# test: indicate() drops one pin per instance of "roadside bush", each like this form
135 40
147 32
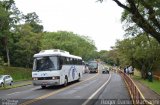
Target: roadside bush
17 73
1 61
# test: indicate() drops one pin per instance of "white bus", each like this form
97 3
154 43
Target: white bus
56 67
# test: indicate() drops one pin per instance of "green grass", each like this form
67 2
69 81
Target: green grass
17 73
155 85
15 86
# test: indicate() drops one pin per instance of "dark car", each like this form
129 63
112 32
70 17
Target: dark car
93 66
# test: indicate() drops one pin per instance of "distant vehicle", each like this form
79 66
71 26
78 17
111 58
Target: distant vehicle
5 80
93 66
56 67
106 70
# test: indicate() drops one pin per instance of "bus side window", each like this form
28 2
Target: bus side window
67 60
61 62
79 62
71 61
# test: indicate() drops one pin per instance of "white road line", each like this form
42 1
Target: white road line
91 97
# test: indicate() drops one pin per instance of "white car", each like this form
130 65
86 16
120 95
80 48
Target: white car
5 79
105 70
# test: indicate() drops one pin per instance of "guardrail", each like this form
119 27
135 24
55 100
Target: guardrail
136 95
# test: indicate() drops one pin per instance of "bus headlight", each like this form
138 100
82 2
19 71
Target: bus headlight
34 78
56 77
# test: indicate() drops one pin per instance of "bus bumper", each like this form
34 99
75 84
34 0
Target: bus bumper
46 82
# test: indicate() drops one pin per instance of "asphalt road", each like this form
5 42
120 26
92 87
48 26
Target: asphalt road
86 92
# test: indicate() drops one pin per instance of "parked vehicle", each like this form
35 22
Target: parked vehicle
5 80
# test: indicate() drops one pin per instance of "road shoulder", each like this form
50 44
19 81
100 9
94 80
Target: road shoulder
146 91
115 92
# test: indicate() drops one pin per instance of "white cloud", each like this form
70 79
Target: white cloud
100 21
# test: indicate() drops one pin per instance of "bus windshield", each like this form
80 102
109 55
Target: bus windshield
93 65
47 63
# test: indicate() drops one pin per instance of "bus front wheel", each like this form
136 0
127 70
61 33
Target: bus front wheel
79 77
66 81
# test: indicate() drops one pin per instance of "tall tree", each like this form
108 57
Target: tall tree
139 52
8 18
145 13
71 42
34 21
25 46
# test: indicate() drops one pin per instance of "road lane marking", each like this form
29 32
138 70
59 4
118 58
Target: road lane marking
22 91
91 97
55 92
13 93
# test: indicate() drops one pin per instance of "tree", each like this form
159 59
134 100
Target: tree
25 46
75 44
145 13
103 55
139 52
8 18
34 21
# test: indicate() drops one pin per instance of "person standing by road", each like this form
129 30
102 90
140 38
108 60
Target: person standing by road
127 70
130 69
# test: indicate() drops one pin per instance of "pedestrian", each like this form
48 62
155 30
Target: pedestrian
125 70
130 69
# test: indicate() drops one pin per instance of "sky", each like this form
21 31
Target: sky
100 21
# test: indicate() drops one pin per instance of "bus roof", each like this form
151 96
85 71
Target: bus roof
54 52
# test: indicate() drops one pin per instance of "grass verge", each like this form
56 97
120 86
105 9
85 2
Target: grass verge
155 85
16 85
17 73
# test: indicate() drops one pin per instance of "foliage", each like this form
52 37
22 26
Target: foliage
19 42
144 13
71 42
26 45
1 61
103 55
8 18
110 57
33 20
17 73
139 52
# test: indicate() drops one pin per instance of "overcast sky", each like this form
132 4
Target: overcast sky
99 21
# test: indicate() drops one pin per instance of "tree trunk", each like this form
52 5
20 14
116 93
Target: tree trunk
8 58
143 72
5 44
